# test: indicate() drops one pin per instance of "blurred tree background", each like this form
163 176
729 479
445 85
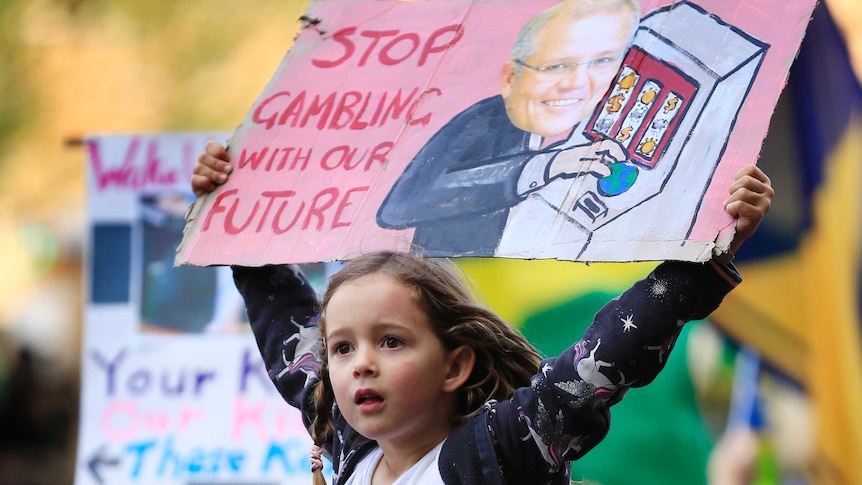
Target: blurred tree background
72 68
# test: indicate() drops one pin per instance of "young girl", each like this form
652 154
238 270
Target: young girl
403 379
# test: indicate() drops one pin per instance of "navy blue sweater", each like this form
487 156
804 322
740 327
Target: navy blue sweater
533 436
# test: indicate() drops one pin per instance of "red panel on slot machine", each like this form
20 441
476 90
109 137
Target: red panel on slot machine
644 107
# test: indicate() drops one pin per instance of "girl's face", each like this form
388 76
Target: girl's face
390 373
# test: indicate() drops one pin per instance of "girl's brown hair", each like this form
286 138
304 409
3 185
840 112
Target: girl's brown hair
505 360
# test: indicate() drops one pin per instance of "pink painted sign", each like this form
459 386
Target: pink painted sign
508 128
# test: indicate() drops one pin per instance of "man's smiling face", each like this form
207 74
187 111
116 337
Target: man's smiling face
550 103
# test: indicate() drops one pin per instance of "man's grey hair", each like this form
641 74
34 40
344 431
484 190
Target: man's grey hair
525 44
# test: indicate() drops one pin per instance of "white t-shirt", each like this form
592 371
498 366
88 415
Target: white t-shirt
424 472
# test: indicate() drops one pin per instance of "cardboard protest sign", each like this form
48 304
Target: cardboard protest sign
502 128
173 389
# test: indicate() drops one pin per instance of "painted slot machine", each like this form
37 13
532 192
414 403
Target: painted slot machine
672 108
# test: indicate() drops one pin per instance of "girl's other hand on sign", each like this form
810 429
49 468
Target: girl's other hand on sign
211 170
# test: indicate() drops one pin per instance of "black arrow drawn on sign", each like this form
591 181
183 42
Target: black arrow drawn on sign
98 461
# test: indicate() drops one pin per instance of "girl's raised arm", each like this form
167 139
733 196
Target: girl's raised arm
283 310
